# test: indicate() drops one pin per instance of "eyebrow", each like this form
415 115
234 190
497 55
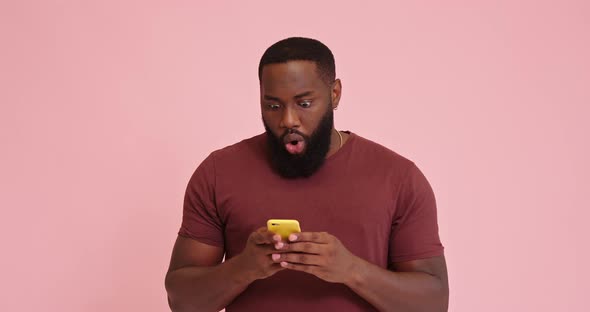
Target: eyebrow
298 96
304 94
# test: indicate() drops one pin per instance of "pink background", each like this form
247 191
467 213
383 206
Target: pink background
107 107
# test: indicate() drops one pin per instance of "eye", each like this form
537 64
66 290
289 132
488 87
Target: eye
305 103
273 106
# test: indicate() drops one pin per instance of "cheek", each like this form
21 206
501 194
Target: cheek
312 119
270 119
272 123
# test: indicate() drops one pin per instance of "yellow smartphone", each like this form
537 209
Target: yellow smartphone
283 227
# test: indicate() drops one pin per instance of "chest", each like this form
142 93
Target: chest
358 211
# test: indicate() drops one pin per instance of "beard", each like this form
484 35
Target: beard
303 165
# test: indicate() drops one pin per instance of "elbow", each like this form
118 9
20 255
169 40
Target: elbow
175 306
439 302
437 294
183 298
169 285
442 305
175 302
442 295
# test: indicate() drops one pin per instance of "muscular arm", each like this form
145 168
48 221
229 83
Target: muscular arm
198 281
419 285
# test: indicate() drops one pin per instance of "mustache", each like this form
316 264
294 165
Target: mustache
292 131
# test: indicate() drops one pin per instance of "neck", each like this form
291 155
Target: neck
334 143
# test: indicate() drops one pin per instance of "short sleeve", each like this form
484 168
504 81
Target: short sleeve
414 232
200 218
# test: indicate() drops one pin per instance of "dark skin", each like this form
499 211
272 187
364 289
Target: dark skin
294 95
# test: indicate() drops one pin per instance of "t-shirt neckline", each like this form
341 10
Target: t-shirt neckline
344 148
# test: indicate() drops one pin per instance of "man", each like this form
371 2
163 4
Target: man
369 237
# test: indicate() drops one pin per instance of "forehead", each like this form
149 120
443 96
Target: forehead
289 77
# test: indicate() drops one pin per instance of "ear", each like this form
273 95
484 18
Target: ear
336 92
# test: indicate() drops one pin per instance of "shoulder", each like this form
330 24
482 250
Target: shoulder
379 155
249 145
232 158
246 151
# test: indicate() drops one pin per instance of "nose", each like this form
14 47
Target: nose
290 119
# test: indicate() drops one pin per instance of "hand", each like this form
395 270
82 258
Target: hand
317 253
256 259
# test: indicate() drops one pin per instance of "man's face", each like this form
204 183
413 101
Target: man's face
297 113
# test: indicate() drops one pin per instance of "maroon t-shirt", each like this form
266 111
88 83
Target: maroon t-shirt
376 202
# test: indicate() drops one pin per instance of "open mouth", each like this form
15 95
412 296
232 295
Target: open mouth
294 143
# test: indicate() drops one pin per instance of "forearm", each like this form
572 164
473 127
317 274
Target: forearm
399 291
206 288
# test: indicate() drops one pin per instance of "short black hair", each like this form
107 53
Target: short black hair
301 49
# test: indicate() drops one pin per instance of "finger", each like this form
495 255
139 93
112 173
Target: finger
306 247
276 267
272 237
311 269
256 238
261 237
272 268
316 237
298 258
270 249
